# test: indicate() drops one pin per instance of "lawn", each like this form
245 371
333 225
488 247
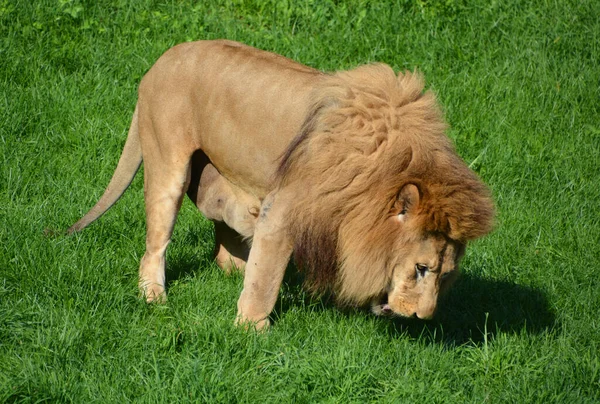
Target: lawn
519 83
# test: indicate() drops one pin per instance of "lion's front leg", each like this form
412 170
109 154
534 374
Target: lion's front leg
268 259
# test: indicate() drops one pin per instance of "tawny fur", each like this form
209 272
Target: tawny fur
353 172
220 201
370 133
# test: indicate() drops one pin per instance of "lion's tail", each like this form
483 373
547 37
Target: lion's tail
128 165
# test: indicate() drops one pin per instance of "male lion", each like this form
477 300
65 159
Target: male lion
351 171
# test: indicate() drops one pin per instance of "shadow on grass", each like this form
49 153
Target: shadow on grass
198 253
185 266
473 307
476 306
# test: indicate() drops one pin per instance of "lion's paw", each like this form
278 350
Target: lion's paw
249 325
153 293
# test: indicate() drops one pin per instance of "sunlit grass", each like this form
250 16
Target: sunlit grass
519 85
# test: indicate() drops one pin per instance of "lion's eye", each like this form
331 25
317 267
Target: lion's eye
400 210
421 270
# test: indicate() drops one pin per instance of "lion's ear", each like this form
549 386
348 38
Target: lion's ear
408 201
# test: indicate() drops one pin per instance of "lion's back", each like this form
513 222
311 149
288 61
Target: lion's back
240 105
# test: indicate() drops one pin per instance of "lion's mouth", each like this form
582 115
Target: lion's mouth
380 306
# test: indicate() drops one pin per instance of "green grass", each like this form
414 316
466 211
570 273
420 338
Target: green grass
520 85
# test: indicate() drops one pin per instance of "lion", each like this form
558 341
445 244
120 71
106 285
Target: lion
351 173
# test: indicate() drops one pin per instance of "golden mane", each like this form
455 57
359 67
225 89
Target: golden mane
368 134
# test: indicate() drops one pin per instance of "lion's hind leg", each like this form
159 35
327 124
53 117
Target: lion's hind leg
164 187
231 252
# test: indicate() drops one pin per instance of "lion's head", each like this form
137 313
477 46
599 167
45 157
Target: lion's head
385 206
